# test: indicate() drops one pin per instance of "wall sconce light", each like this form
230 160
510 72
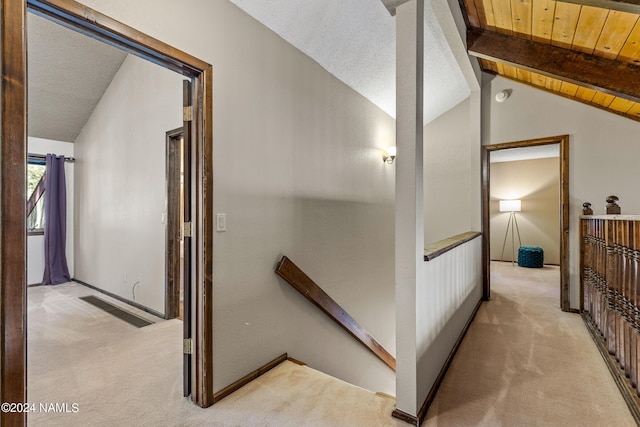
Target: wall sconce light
389 155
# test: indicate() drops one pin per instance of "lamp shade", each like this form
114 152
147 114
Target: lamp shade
510 205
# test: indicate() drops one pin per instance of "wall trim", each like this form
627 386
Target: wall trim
122 299
422 413
403 416
249 377
296 361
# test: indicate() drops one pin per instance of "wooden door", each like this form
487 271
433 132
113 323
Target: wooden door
174 275
187 233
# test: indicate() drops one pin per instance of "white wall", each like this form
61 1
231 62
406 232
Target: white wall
121 187
448 202
35 244
603 150
35 259
445 302
451 284
298 170
437 196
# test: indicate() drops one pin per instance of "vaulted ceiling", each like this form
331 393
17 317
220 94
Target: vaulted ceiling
68 73
355 41
586 50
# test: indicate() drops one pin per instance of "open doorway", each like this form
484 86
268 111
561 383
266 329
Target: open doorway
489 239
525 204
13 203
111 110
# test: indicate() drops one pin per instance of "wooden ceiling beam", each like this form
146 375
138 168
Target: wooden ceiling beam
631 6
602 74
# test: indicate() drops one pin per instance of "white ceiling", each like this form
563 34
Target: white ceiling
67 75
525 153
354 40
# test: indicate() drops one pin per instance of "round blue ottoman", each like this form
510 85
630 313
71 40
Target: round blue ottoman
530 256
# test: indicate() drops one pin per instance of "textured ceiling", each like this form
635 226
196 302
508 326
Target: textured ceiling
525 153
355 40
68 73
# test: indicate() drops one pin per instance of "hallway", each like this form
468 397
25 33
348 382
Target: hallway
525 362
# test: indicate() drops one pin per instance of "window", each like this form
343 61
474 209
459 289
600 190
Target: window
35 195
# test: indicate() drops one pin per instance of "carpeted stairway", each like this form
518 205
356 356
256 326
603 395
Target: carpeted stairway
120 375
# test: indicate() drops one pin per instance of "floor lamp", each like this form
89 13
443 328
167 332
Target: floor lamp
511 206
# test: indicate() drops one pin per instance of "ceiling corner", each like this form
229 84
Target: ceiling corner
391 5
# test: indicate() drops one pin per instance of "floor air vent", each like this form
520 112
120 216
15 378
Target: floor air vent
128 317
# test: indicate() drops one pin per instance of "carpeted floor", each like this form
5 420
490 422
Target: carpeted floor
119 375
524 362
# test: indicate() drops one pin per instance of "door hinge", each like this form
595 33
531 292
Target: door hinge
187 113
186 346
186 229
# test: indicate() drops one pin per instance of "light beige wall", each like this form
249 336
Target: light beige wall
298 170
537 184
603 150
447 174
120 186
450 285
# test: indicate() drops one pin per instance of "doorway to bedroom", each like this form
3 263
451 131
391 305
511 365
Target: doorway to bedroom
14 160
525 209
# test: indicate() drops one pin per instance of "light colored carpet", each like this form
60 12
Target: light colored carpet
524 362
120 375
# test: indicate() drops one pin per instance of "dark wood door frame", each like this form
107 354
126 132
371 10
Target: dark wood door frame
178 168
13 158
187 215
563 140
13 232
174 219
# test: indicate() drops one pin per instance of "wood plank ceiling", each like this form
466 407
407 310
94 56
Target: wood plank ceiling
579 51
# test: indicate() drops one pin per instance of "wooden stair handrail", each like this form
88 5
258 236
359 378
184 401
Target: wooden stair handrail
36 195
307 287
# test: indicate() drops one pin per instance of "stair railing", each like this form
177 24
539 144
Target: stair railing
293 275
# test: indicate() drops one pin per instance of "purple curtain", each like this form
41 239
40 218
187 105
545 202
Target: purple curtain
55 223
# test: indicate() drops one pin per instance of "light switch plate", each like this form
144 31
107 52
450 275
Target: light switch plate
221 222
